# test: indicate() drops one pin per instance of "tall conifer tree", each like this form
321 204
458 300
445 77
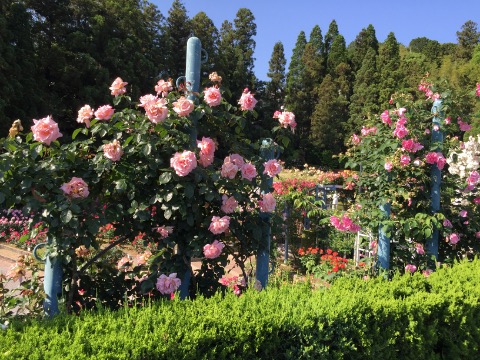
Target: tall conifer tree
364 41
388 64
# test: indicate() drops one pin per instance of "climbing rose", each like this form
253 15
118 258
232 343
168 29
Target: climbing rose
419 249
229 204
213 250
431 158
183 106
285 118
168 285
207 150
272 167
104 112
212 96
463 125
76 188
477 92
248 171
156 110
45 130
229 169
219 224
247 101
268 203
388 166
356 139
386 118
453 238
411 145
85 114
410 268
113 150
405 160
163 87
183 163
118 87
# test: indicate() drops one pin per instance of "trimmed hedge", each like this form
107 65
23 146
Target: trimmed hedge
409 317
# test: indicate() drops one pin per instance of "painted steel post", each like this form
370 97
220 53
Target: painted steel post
384 241
268 151
436 174
192 84
52 281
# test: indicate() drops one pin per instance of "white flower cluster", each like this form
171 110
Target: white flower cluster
466 160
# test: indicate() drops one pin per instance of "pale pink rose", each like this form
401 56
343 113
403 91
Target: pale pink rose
268 203
453 238
286 119
388 166
104 112
113 151
248 171
405 160
156 110
419 249
366 131
400 112
147 99
431 158
164 231
410 268
229 170
183 163
183 106
205 159
85 114
212 96
272 167
207 150
447 223
236 159
276 114
163 87
229 204
76 188
219 224
118 87
473 178
143 258
213 250
168 285
45 130
463 213
247 101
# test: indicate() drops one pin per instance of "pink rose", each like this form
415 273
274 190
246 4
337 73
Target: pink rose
286 119
447 223
236 159
477 234
463 213
183 106
268 203
229 169
205 159
118 87
400 112
410 268
441 161
156 110
219 224
388 166
272 167
207 150
75 188
168 285
212 96
405 160
45 130
419 249
147 99
85 114
248 171
477 91
163 87
463 125
213 250
431 158
411 145
104 112
386 118
183 163
400 131
164 231
113 151
229 204
476 201
247 101
473 178
453 238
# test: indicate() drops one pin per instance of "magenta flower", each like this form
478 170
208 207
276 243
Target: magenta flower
410 268
405 160
453 238
386 118
213 250
419 249
477 91
431 158
219 224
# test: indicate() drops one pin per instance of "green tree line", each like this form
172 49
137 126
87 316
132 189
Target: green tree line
57 55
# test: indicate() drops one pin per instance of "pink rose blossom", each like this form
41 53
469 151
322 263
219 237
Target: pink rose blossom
268 203
168 285
45 130
411 145
441 161
400 112
272 167
85 114
447 223
428 93
205 159
477 91
400 131
147 99
183 163
476 201
213 250
366 131
118 87
405 160
183 106
431 158
248 171
247 101
453 238
419 249
477 234
113 151
344 224
286 118
463 213
156 110
76 188
388 166
207 150
386 118
219 224
448 120
435 96
356 139
410 268
104 112
212 96
164 231
473 178
463 125
229 204
163 87
229 169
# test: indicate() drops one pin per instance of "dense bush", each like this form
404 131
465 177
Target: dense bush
409 317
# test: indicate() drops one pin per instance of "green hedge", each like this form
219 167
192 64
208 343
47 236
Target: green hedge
410 317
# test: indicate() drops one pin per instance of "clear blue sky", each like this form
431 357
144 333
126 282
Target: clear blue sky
281 20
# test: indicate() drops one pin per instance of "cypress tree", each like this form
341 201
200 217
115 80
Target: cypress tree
388 66
276 72
204 28
364 41
337 54
467 38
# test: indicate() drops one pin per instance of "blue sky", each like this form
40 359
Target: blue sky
281 20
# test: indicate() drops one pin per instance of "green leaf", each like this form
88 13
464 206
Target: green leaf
75 133
66 216
167 214
147 149
189 190
165 178
121 185
169 197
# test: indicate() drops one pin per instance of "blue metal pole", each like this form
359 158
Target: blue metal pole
384 241
267 152
436 175
192 79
